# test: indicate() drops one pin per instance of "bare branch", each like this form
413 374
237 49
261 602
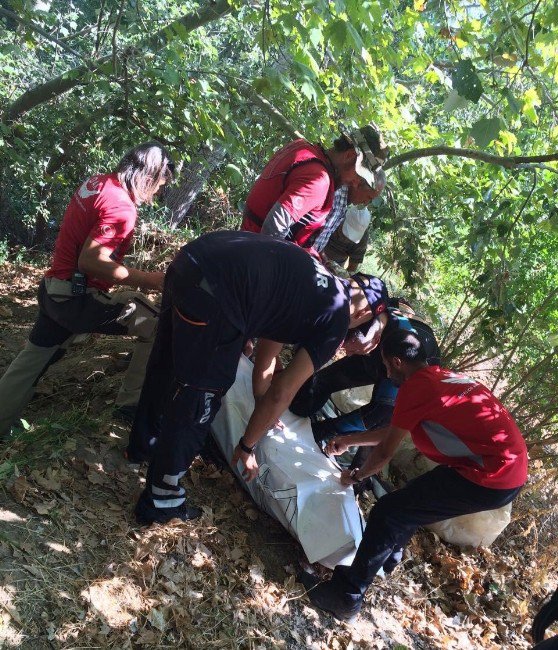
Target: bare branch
509 162
528 38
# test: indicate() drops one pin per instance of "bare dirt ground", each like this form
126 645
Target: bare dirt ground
77 572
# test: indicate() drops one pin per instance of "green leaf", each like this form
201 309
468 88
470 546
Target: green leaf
234 173
454 101
308 90
171 76
466 81
514 105
337 33
485 130
315 36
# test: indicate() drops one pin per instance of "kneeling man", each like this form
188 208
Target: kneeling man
456 422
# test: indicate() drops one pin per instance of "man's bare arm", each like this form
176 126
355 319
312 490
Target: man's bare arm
269 408
95 260
264 366
378 458
340 444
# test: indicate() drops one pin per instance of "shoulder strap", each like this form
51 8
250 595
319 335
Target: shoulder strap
299 164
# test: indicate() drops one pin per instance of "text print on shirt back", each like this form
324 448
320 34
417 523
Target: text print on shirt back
456 379
322 276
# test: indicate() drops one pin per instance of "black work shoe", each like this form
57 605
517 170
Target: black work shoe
323 596
125 413
146 513
136 457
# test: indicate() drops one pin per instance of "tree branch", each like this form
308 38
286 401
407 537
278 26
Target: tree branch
39 30
276 116
72 78
509 162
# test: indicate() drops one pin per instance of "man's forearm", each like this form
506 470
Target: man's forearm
266 413
365 438
115 273
374 463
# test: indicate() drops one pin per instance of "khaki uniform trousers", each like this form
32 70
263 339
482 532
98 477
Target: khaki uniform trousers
63 317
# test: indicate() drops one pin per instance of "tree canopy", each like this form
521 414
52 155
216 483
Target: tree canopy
466 94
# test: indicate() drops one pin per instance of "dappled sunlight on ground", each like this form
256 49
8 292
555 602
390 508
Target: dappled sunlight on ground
76 571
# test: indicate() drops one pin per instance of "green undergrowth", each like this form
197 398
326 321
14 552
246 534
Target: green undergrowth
29 446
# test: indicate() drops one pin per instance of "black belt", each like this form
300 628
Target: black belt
252 216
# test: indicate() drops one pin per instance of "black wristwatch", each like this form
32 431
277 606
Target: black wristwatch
244 446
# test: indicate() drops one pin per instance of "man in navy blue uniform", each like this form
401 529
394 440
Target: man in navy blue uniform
220 290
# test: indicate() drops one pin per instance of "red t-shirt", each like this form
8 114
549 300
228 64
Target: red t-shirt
456 421
305 190
103 210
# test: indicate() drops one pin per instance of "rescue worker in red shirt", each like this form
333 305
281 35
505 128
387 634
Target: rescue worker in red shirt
96 232
293 195
456 422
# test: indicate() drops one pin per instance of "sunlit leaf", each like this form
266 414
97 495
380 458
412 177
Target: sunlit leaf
485 130
466 81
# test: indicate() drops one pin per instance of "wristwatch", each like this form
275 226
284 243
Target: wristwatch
244 446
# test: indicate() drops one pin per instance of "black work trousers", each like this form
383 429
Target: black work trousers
349 372
192 365
435 496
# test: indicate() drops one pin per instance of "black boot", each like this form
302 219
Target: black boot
146 512
324 596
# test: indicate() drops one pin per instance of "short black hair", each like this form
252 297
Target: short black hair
405 345
342 144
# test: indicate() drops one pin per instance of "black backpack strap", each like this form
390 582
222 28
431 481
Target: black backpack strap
299 164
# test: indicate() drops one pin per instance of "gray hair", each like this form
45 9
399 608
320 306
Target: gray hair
143 168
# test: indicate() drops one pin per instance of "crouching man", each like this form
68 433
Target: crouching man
220 290
96 232
456 422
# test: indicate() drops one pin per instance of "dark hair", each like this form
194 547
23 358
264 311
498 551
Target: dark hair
405 345
342 144
398 301
142 169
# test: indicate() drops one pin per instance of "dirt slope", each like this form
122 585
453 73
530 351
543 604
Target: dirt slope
76 571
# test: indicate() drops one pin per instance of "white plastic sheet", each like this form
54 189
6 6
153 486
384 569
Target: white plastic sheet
297 484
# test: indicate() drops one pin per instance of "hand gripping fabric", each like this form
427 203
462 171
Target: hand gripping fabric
297 484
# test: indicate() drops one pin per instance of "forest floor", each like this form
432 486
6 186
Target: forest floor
77 572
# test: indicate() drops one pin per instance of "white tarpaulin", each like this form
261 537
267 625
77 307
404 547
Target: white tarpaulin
297 484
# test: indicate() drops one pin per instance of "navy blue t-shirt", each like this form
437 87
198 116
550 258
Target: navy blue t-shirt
273 289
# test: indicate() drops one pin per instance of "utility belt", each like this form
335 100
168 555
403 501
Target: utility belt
252 216
64 289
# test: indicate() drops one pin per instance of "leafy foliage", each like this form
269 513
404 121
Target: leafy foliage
474 242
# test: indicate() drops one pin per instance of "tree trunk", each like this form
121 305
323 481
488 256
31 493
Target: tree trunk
192 181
